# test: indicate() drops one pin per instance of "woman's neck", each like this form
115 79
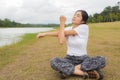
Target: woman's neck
75 25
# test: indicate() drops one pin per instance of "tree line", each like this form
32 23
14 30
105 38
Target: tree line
8 23
109 14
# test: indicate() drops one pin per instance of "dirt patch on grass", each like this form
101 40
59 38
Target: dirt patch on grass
34 64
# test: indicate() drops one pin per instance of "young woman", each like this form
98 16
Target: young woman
76 62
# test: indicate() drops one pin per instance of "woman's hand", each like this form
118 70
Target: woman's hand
62 19
40 35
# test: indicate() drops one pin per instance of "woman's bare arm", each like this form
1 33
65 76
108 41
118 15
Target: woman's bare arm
52 33
61 34
55 33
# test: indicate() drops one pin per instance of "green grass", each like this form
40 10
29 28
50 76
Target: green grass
8 53
29 59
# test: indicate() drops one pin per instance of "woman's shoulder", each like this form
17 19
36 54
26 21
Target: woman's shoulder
83 26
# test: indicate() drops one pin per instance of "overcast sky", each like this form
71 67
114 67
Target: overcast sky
48 11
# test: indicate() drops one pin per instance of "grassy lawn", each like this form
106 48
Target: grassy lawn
30 58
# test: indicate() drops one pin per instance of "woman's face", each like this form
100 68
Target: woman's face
77 18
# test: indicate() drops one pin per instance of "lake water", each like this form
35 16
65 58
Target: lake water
12 35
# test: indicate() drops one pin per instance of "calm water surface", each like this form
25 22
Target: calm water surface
12 35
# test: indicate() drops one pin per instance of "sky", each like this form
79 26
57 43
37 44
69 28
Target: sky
48 11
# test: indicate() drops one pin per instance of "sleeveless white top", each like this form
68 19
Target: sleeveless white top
77 45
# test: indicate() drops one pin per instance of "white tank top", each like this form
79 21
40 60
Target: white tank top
77 45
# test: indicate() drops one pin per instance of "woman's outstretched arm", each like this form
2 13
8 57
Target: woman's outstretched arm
61 33
53 33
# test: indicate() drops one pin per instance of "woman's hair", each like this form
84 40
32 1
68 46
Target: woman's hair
84 15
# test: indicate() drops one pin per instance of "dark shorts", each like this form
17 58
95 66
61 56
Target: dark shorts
67 64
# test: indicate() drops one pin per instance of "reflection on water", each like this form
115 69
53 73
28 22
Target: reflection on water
12 35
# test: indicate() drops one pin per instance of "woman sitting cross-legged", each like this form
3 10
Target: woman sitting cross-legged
77 61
